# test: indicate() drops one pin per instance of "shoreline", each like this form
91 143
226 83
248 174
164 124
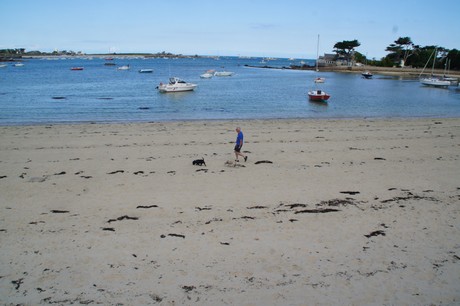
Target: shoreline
90 123
356 212
392 71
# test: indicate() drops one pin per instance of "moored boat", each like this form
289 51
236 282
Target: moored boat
318 95
208 74
176 85
124 67
320 80
146 71
223 73
435 82
76 68
367 75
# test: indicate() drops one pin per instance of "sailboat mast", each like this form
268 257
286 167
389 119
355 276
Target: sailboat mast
434 59
317 53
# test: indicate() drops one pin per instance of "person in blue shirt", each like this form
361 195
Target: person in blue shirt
239 145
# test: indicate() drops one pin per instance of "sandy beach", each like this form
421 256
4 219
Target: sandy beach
324 212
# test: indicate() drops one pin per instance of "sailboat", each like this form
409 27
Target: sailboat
433 81
318 79
317 94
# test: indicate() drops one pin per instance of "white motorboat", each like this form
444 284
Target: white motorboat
176 85
320 80
146 71
125 67
223 73
208 74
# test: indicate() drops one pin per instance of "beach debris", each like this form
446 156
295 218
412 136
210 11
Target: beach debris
337 202
317 211
375 233
410 196
245 218
56 211
117 171
174 235
225 243
125 217
379 158
350 192
3 176
18 283
263 162
149 206
156 298
188 288
257 207
111 229
214 220
295 205
203 208
60 173
138 172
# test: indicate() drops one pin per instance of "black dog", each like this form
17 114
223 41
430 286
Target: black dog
199 162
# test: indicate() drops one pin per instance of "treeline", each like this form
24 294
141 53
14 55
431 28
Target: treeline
18 53
402 53
11 54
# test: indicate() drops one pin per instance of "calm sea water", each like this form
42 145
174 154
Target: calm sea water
102 93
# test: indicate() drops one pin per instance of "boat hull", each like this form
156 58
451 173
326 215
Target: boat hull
435 82
318 96
320 80
223 73
175 88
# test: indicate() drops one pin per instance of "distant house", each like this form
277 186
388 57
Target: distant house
327 59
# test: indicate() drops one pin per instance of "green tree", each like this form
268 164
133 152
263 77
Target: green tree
454 57
401 49
346 48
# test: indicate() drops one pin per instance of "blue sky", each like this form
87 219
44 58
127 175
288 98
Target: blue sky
287 28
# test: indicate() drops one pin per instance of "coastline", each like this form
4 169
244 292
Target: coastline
349 211
391 71
395 71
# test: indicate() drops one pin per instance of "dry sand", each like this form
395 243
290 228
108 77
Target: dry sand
349 212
